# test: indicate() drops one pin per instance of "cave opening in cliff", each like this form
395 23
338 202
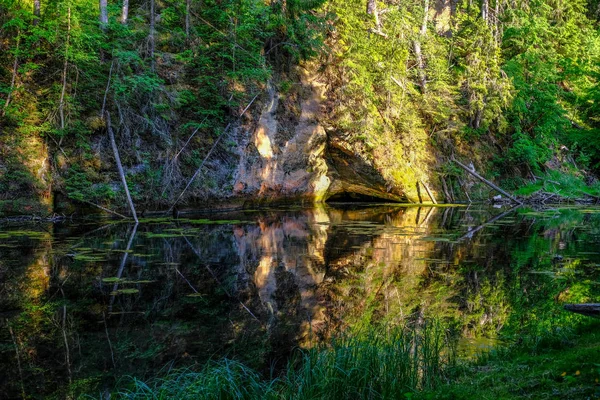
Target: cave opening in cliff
351 197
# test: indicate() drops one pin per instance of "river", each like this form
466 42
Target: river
85 303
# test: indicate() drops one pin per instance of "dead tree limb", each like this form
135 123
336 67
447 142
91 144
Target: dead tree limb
419 193
198 170
429 193
119 165
463 187
490 184
104 209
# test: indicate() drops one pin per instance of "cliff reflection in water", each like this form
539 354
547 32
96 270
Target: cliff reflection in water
82 305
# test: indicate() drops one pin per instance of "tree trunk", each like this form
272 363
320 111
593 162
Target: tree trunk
103 14
151 34
113 143
125 12
61 104
14 75
36 12
484 9
417 49
188 7
497 29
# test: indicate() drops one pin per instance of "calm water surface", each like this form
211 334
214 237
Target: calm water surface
85 303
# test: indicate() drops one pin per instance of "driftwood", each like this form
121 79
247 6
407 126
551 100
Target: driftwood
589 309
490 184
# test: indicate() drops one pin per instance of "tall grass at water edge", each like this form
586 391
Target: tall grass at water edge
383 363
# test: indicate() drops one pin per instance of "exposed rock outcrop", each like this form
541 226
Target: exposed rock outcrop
309 164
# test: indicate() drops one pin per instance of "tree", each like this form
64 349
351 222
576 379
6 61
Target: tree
125 12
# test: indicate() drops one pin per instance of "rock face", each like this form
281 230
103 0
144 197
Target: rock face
308 163
273 166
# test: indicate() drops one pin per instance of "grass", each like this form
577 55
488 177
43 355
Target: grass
562 369
566 185
399 364
380 364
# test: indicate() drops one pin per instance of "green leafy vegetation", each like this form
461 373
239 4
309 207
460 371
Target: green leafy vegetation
510 86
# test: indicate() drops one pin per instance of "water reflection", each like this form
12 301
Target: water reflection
81 305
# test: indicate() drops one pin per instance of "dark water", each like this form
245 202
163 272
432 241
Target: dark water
84 304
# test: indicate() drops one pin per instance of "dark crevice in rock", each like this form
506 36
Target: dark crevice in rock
349 197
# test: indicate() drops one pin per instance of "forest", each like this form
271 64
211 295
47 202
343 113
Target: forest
242 102
329 166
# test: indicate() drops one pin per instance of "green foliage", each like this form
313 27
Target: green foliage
375 364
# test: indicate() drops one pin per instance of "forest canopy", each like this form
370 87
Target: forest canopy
513 84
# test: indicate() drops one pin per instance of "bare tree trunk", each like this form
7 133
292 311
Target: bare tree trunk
151 35
61 104
188 6
36 12
125 12
449 198
120 166
497 30
14 75
103 14
417 49
485 7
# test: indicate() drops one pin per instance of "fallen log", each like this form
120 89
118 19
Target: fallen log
589 309
490 184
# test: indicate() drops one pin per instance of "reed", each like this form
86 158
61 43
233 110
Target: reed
383 363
